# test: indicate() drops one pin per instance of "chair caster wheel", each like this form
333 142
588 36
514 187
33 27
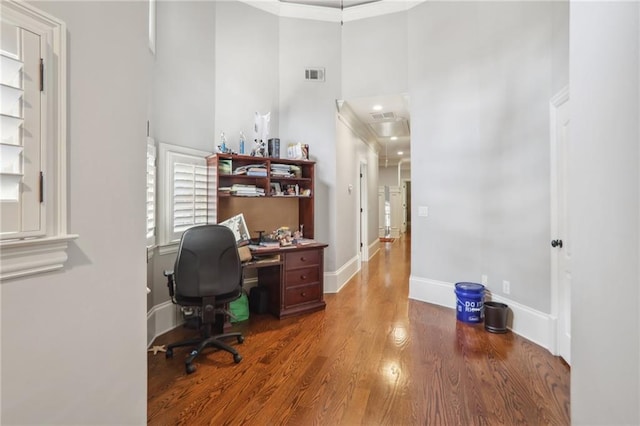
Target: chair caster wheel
169 353
237 358
240 339
190 368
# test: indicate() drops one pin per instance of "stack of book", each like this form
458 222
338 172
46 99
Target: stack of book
281 170
224 190
259 170
242 190
271 244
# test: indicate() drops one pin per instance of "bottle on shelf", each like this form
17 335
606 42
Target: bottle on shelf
223 143
242 139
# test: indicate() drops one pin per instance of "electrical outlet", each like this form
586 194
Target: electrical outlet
485 280
506 287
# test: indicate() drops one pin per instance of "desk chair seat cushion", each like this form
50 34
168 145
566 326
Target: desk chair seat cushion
220 299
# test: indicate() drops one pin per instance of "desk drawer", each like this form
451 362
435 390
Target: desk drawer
302 276
303 258
304 294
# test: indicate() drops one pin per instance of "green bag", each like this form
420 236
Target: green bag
240 308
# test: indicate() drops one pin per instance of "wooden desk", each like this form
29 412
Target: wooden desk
295 280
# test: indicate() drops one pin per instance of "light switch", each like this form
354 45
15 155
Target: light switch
423 211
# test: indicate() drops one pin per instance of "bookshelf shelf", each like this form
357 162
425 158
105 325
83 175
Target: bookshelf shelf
264 209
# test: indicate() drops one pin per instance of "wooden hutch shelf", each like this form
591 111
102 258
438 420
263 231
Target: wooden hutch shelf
271 193
238 191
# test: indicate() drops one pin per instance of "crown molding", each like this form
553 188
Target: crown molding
327 14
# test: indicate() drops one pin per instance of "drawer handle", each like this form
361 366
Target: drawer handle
303 277
303 294
303 259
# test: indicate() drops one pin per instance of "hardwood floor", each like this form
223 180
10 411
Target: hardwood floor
372 357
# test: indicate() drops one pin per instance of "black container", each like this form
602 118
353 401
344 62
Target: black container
259 300
274 148
495 317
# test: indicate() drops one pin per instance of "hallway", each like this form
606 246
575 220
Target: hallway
372 357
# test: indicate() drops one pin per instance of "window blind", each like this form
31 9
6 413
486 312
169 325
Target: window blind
189 196
151 192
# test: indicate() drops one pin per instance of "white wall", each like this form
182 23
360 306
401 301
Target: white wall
184 75
307 111
480 133
352 152
346 195
389 175
604 212
246 71
374 56
73 341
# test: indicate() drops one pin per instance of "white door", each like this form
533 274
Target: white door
560 230
395 201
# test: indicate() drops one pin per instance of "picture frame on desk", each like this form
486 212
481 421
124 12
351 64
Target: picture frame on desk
276 189
238 225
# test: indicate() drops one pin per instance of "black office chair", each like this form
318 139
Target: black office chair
207 275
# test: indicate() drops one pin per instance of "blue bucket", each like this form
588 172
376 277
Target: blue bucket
469 302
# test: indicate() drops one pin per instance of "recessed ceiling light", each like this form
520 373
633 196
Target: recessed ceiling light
377 107
394 138
400 152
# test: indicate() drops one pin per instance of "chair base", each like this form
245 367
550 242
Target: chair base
203 343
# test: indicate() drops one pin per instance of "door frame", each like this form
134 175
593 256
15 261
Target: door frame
363 213
556 324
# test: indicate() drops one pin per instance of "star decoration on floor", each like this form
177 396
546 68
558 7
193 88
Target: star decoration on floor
157 349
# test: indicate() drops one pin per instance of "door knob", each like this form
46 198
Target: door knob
556 243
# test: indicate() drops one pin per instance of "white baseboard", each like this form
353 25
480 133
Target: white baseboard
529 323
334 281
160 319
374 248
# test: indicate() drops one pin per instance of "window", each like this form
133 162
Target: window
33 234
151 193
21 111
184 192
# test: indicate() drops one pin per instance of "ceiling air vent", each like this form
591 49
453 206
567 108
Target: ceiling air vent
314 74
386 129
379 116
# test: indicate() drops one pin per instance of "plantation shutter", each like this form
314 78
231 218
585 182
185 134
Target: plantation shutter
189 196
182 192
151 192
22 172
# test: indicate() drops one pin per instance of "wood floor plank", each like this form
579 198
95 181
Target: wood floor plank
372 357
